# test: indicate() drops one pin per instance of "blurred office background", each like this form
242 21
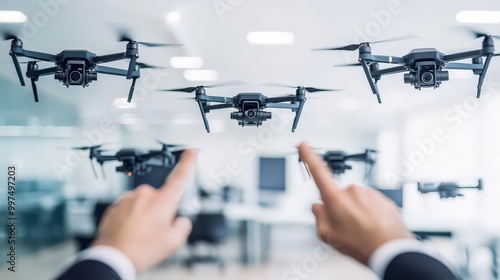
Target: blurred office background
248 224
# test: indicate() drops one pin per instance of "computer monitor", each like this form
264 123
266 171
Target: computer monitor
272 174
395 195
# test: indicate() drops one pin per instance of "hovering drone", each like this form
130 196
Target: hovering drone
78 67
446 190
337 161
134 161
426 67
250 105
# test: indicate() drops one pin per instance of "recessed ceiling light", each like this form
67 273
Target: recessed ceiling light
184 62
480 17
201 75
12 17
173 17
271 38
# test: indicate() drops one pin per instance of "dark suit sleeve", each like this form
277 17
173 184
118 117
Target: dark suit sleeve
417 266
89 269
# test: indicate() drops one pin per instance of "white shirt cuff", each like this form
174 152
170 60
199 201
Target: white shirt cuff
112 257
383 255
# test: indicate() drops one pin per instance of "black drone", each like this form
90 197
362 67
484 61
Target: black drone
425 66
446 190
250 105
78 67
337 161
134 161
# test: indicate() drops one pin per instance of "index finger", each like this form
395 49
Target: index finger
322 175
173 188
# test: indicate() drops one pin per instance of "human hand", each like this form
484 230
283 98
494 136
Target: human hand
143 223
355 220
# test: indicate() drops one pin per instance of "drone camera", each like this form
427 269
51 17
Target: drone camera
426 75
250 114
75 74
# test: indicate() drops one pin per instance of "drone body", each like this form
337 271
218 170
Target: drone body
424 67
77 67
446 189
134 161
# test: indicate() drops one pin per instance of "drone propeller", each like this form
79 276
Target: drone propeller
124 37
147 66
192 89
9 36
87 147
353 47
308 89
478 34
348 65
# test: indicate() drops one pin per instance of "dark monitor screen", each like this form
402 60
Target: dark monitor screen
156 177
272 174
395 195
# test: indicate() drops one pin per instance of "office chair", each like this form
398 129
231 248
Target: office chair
210 228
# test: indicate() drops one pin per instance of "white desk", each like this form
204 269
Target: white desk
257 222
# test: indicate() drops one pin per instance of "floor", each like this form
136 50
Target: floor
317 263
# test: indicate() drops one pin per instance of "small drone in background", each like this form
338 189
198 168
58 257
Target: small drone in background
337 161
79 67
425 67
250 105
446 189
134 161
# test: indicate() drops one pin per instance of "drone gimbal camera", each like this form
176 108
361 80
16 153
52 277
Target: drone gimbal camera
78 67
134 161
446 189
425 67
250 106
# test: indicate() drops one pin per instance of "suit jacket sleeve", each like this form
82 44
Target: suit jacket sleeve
417 266
89 269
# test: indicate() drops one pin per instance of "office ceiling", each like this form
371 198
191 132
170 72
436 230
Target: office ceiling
219 37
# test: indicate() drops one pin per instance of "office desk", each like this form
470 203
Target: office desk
257 222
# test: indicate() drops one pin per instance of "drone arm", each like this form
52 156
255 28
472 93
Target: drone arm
387 59
218 106
483 74
357 157
203 115
220 99
463 66
109 58
389 71
280 99
297 115
42 72
463 55
101 159
114 71
368 74
35 55
18 68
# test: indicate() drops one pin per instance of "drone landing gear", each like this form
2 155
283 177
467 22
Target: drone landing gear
482 75
371 80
